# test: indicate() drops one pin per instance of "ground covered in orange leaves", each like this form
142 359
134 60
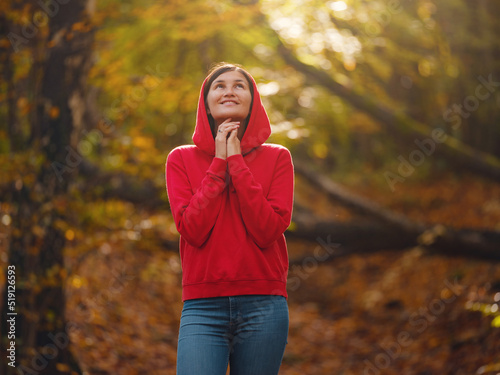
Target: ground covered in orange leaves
392 312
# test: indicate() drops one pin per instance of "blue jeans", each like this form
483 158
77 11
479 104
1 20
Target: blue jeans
248 332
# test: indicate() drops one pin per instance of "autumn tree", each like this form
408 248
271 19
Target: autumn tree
46 55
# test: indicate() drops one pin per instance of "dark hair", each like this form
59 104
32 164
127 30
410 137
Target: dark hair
216 71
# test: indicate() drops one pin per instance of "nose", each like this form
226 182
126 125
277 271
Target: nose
228 91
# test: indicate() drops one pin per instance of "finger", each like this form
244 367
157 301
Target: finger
227 123
233 134
222 126
228 128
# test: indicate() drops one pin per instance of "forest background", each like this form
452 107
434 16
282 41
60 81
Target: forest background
390 109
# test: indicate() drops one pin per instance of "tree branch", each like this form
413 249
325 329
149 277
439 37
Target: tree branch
397 122
122 186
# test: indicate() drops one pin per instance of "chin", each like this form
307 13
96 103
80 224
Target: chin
233 116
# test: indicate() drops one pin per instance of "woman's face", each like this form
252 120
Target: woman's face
229 96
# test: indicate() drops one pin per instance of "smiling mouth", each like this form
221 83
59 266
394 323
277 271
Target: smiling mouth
229 102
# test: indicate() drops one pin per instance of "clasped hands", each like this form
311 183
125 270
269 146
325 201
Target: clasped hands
227 142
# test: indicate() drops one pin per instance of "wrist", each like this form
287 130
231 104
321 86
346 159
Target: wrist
233 151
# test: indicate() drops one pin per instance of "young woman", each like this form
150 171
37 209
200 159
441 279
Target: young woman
231 198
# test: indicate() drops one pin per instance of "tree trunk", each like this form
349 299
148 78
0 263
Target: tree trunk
381 229
13 129
38 321
356 203
369 236
398 123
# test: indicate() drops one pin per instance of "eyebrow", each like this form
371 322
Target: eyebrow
222 80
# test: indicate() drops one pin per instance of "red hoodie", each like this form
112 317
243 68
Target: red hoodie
231 214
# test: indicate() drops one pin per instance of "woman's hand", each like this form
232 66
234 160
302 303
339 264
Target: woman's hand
224 131
233 143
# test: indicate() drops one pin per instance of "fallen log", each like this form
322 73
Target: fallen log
380 228
356 203
369 236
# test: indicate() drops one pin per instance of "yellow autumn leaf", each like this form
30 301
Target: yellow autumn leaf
70 235
142 142
496 322
63 367
54 112
320 150
78 26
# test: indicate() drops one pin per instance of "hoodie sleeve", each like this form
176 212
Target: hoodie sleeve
266 217
194 214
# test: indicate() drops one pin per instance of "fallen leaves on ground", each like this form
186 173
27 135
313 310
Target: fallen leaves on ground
404 312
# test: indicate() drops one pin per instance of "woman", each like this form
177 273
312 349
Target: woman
231 198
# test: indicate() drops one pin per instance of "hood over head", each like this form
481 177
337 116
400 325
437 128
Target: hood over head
257 131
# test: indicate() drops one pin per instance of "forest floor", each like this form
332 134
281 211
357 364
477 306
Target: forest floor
391 312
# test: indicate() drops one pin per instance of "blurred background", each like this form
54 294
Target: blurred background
391 110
